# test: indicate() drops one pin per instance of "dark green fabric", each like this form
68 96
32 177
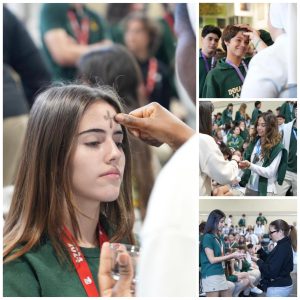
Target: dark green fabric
287 113
226 116
263 181
242 222
53 16
262 220
292 157
239 117
266 37
223 81
245 134
39 274
202 72
235 142
232 278
256 112
211 241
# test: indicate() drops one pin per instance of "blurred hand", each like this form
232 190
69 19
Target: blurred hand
155 125
238 255
107 285
244 164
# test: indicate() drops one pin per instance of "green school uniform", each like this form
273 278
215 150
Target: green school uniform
263 181
38 273
292 157
235 142
287 111
55 16
226 116
256 112
223 81
203 70
215 243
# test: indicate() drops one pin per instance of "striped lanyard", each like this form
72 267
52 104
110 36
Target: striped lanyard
82 268
212 64
238 71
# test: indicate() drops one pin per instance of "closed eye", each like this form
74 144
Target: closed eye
93 144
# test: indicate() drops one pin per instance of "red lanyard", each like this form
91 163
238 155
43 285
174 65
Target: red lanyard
82 30
80 263
151 76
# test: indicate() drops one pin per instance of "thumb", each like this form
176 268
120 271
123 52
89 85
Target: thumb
130 121
123 286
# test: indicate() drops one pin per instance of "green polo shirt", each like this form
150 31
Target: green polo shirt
213 242
223 81
54 16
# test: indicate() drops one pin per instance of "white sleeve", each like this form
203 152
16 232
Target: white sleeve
215 166
270 171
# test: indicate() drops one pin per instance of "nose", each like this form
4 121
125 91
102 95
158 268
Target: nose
113 152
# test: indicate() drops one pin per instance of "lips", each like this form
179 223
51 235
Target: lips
111 173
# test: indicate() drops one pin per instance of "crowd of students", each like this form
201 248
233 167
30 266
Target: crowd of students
240 260
267 162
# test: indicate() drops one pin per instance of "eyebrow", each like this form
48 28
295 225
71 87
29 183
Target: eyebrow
98 130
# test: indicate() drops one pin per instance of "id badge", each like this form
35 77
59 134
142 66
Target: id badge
253 179
223 265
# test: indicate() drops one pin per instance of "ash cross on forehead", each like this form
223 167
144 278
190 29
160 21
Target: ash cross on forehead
109 118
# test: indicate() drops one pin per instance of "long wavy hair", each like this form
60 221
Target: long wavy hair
43 193
272 135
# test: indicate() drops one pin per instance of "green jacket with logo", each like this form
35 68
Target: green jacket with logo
223 81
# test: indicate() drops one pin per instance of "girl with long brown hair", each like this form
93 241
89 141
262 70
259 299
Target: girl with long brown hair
72 193
276 266
265 159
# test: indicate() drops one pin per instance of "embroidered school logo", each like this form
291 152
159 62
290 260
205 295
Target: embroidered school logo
235 92
76 254
88 280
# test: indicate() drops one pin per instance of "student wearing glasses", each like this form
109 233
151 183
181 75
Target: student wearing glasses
265 159
276 266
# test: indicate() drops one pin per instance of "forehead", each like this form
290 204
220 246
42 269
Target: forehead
211 36
240 35
98 114
261 120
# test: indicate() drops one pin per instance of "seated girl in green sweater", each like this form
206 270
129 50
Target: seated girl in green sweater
72 194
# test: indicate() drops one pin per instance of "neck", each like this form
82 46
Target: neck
208 54
87 214
234 59
141 54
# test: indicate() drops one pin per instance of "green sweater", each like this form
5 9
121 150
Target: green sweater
54 16
235 142
286 111
203 72
223 81
39 274
263 181
214 243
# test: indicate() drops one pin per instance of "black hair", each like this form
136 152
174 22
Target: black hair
205 120
257 103
213 220
280 116
207 29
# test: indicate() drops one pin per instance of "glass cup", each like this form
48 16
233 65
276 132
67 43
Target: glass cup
132 250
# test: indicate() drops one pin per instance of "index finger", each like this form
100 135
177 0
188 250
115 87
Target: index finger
105 280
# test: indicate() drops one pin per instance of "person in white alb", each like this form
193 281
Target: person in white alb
273 70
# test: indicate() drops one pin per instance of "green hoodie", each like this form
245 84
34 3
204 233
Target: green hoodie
223 81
